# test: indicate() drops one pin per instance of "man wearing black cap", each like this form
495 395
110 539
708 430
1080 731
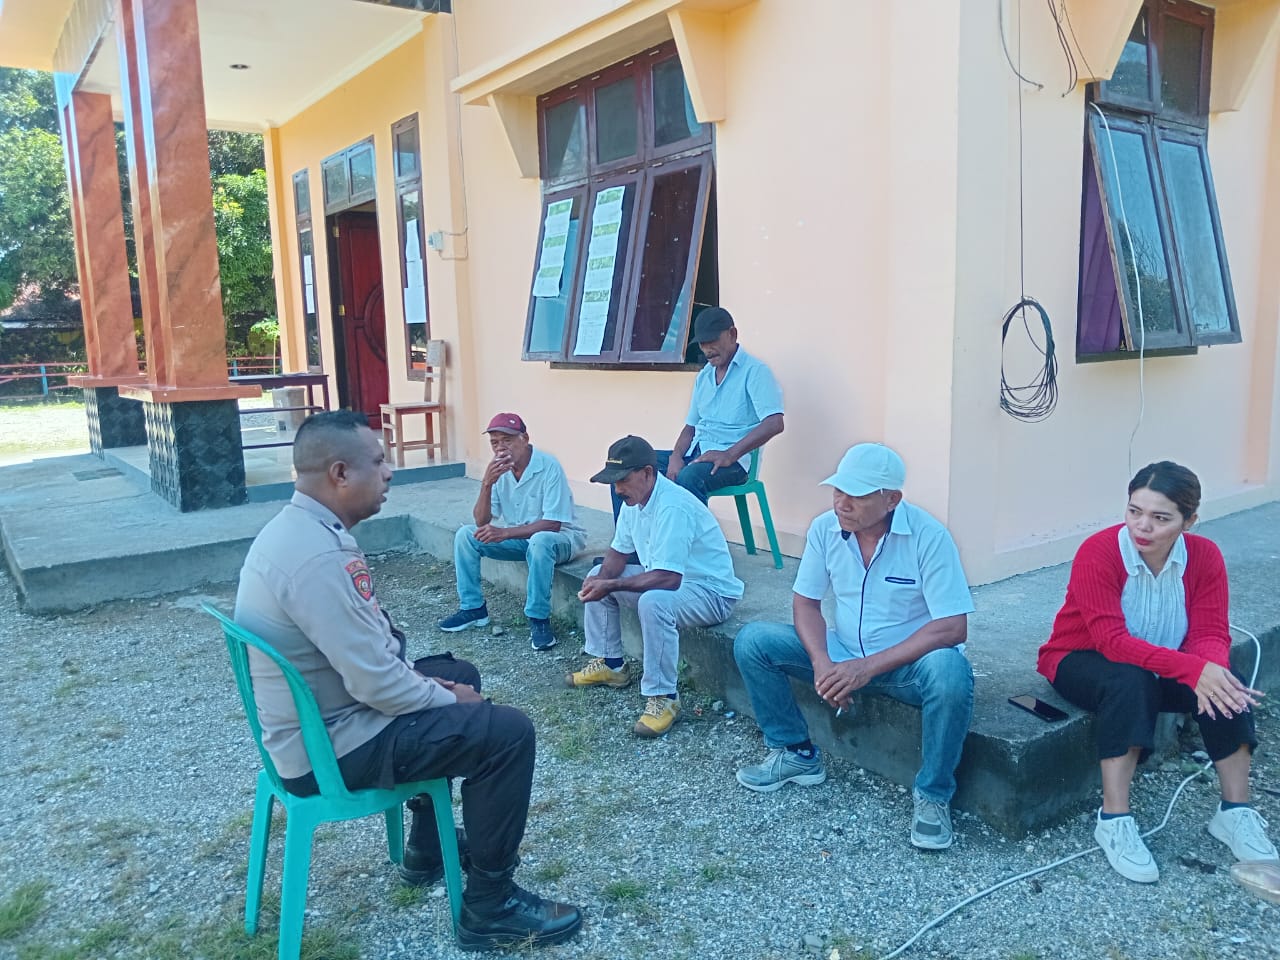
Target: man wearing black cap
684 578
736 407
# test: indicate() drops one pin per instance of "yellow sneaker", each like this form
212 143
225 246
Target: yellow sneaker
598 672
659 714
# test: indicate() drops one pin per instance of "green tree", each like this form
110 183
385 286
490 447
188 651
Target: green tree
36 244
244 251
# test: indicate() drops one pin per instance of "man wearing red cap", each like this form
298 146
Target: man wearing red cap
527 491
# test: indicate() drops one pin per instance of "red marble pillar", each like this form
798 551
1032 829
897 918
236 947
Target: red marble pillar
106 306
167 110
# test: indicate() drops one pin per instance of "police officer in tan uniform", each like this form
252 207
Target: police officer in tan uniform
306 589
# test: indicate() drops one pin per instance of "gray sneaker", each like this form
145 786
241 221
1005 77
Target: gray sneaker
931 825
783 766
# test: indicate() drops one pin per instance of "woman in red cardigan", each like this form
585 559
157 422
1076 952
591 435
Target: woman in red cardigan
1144 631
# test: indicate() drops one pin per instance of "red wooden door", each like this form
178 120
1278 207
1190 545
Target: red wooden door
360 317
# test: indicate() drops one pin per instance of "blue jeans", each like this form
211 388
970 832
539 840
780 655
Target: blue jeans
542 552
940 683
697 478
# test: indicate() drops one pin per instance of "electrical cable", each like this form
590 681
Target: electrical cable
1005 46
1066 15
1037 399
1257 660
1073 72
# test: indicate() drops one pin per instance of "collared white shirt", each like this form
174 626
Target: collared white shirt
723 413
541 493
914 577
675 531
1155 607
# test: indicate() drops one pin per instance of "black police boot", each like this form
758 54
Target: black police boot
423 860
497 913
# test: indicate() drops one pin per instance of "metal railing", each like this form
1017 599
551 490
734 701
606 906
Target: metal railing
47 377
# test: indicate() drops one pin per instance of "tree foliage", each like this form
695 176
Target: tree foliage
36 245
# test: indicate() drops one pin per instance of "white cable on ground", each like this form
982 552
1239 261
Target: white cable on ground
1257 660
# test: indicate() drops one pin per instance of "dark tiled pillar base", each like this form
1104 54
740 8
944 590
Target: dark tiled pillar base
114 421
197 462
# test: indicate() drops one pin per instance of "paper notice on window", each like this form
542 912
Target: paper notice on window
415 303
555 245
412 249
597 284
308 284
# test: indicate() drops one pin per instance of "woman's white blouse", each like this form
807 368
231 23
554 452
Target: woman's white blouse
1155 607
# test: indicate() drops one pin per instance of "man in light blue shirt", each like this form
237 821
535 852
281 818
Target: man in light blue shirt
684 578
527 491
736 407
901 619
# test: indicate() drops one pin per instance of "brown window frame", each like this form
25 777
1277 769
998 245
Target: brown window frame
342 159
406 183
306 235
1157 123
637 172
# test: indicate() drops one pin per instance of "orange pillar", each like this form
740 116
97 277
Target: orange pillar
88 136
166 118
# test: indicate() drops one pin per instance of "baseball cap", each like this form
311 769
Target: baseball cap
509 423
710 324
866 468
625 456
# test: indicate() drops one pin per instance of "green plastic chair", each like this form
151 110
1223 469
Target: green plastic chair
739 493
333 802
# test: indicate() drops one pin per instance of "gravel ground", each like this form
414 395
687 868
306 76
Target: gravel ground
128 783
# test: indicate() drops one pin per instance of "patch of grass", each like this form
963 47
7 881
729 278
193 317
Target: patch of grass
20 908
573 742
625 890
710 873
75 779
550 872
405 896
73 684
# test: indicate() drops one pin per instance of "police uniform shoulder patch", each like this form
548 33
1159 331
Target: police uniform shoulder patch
361 579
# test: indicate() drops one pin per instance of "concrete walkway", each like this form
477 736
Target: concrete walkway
77 532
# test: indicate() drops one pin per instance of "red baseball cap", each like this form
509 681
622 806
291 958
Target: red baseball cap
509 423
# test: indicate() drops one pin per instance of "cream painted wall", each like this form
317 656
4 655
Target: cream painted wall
411 79
1024 495
867 178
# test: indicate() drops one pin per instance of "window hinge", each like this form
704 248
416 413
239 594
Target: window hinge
335 231
342 310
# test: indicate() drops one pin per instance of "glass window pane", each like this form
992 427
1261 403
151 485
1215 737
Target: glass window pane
566 132
1132 76
1180 66
302 195
607 252
1147 260
362 171
411 259
616 110
1202 273
406 148
311 323
673 118
557 266
335 181
663 298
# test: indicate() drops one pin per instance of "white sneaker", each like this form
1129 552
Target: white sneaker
1245 832
1127 854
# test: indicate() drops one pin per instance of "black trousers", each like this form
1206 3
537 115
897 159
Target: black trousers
1127 700
490 747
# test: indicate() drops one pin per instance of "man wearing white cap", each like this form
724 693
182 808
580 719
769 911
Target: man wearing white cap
901 619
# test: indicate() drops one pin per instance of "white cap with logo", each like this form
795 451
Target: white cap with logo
866 468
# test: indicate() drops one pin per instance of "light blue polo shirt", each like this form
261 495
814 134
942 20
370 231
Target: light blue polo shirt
914 577
675 531
541 493
723 413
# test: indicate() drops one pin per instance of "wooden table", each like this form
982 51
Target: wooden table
273 381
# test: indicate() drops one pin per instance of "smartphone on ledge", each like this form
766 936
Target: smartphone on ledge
1045 711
